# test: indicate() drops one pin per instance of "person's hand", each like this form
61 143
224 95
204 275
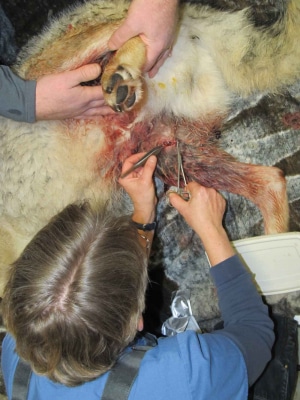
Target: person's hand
140 187
204 213
155 22
60 95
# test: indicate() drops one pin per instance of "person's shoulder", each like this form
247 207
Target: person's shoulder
193 346
215 361
190 363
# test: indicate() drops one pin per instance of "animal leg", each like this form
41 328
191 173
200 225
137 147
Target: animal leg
207 164
121 80
264 186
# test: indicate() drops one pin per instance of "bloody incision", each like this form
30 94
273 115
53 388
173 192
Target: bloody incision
204 161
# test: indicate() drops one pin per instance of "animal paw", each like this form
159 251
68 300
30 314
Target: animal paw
122 87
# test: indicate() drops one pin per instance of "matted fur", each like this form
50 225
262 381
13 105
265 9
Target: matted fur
216 56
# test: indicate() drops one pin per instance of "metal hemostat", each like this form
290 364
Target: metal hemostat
182 192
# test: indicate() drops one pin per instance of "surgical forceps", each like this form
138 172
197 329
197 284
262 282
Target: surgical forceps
155 151
182 192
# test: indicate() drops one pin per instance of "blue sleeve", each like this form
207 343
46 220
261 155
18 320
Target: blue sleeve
17 96
246 319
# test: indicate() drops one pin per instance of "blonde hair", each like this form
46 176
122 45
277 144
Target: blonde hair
76 293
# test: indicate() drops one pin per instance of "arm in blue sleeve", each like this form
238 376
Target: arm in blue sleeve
17 96
245 316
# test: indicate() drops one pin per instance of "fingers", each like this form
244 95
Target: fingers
94 97
155 68
140 187
131 160
202 199
85 73
149 168
203 212
94 113
146 171
201 193
177 202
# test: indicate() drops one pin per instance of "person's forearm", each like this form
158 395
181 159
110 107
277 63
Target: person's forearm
246 319
217 245
17 96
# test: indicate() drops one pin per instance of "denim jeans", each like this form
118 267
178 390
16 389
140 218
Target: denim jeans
278 381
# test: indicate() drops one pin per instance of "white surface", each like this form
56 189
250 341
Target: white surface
274 260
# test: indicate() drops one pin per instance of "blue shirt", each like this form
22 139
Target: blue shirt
17 96
188 366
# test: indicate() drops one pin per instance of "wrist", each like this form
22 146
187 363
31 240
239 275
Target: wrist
145 232
143 217
145 227
217 245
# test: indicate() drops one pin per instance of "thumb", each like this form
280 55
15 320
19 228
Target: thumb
86 73
177 202
120 36
149 167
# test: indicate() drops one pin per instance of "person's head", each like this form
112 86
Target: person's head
76 294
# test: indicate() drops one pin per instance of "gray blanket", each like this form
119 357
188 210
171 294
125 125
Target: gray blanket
264 130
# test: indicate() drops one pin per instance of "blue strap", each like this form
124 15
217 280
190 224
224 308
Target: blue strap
123 374
119 382
21 381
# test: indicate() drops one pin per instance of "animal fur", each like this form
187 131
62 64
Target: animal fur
216 56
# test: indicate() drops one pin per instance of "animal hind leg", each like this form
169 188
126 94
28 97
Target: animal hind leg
264 186
205 162
213 167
